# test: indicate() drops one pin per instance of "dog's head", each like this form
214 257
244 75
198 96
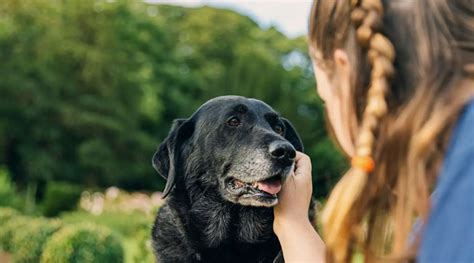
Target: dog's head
240 147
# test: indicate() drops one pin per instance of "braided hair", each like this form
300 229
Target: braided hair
366 17
407 104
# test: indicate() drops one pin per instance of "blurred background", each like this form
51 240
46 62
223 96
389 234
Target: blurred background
89 88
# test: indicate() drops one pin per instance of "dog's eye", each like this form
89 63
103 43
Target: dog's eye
234 121
278 129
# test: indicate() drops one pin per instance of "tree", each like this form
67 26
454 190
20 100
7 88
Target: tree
90 87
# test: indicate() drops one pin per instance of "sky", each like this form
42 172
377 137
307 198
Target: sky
289 16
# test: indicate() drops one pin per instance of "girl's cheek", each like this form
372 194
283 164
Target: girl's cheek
323 85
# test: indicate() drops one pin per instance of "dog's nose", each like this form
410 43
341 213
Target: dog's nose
282 151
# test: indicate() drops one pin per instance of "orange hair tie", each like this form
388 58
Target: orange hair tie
365 163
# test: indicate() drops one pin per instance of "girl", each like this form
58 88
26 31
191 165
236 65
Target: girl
397 79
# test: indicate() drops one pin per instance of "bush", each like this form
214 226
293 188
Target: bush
135 228
124 224
8 230
144 252
7 189
6 214
60 197
28 242
83 243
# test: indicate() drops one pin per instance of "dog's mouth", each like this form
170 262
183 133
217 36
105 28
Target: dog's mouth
257 193
270 186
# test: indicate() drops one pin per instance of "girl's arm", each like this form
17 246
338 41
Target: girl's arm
299 240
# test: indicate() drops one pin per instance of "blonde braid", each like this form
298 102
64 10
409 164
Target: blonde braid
339 235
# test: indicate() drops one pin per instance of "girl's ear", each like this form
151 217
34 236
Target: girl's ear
342 64
343 82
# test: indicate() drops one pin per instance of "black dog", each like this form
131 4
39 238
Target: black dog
224 167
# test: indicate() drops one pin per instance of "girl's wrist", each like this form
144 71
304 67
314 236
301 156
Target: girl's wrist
282 226
299 240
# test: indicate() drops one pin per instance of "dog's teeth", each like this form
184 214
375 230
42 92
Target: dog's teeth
238 183
255 185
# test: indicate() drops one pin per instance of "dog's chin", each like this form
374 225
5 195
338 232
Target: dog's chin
258 201
260 193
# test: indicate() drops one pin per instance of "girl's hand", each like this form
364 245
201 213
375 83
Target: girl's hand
295 196
298 239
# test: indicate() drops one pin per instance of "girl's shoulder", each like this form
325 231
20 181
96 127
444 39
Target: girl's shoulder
458 163
448 236
463 132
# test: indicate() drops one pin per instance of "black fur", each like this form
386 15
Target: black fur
207 218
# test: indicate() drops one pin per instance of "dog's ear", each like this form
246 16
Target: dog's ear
167 158
292 136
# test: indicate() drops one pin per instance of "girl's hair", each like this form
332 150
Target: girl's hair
411 64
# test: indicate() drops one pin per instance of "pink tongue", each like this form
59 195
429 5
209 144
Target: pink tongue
271 187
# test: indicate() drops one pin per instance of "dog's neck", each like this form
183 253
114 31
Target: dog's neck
214 221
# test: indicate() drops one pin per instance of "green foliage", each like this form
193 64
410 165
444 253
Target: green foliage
144 251
329 166
83 243
29 240
8 196
6 214
134 227
26 238
73 81
8 230
90 87
60 197
124 224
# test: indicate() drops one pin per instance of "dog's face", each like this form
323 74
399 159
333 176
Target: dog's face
240 147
